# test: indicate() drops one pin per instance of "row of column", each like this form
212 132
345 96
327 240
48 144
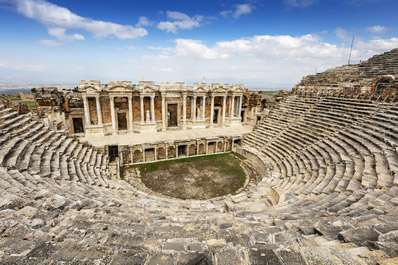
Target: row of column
238 109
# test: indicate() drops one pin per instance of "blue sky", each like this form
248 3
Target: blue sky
263 44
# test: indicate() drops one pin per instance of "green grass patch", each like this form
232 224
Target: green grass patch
220 174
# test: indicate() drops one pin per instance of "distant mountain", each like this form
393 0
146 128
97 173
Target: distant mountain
14 90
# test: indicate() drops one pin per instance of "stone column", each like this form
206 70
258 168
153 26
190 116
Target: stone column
203 107
231 114
211 111
224 107
194 108
143 154
99 112
130 113
240 106
184 111
163 112
166 147
86 110
113 115
131 155
197 147
153 108
142 108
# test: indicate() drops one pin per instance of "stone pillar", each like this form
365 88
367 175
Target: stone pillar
203 107
166 146
240 107
130 113
113 115
197 147
142 108
194 108
99 112
211 111
164 112
153 108
131 155
224 107
86 110
143 154
207 147
184 111
231 114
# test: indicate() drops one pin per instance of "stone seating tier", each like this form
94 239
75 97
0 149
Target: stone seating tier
59 204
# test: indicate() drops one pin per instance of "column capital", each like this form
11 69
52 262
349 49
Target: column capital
152 96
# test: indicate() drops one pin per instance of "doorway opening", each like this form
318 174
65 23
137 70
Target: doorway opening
121 121
172 115
215 116
182 150
78 125
113 152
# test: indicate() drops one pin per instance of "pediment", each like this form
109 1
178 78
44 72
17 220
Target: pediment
220 89
200 89
90 90
148 90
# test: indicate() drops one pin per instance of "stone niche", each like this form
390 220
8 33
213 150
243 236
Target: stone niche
171 150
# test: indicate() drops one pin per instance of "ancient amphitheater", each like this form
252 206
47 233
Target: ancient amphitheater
327 155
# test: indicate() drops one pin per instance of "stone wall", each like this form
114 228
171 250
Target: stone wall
140 153
357 78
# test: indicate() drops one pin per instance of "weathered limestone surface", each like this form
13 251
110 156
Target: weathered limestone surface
357 78
328 195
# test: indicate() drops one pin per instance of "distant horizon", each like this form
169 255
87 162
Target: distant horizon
262 45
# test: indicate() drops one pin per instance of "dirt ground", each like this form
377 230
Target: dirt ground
199 178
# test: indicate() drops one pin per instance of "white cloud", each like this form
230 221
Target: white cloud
377 29
283 46
300 3
179 21
60 34
144 21
240 9
51 43
166 69
343 34
259 61
59 19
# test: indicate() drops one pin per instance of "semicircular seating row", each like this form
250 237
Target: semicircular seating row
57 203
334 158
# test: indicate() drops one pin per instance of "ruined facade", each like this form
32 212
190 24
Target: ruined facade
123 107
377 76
